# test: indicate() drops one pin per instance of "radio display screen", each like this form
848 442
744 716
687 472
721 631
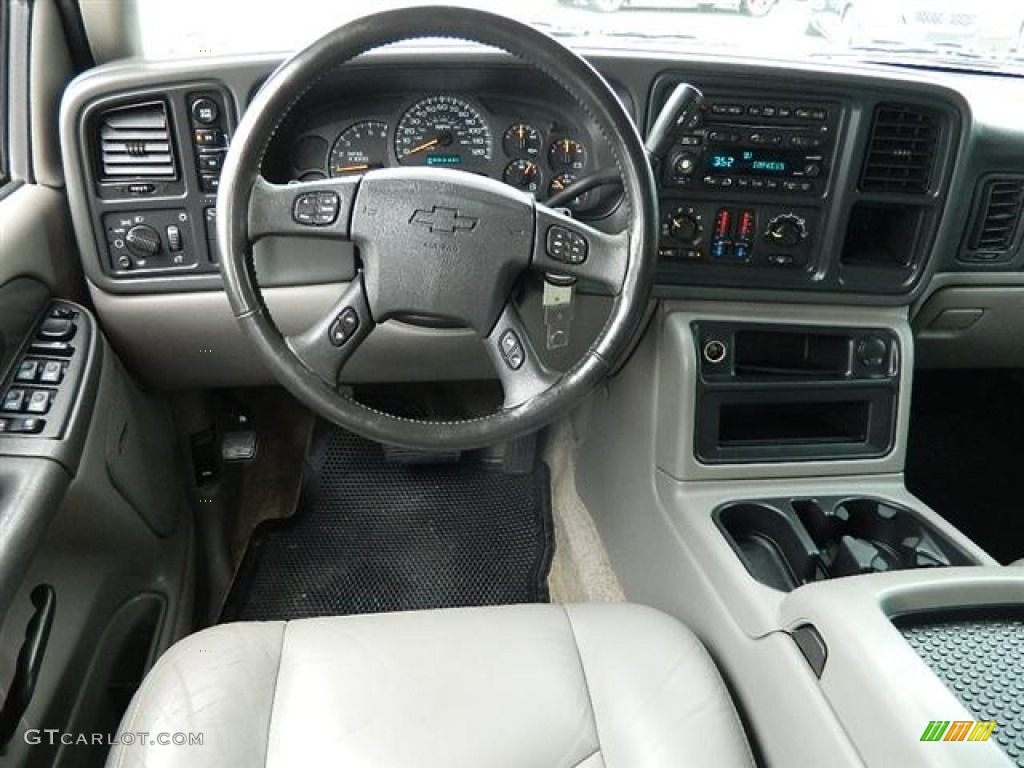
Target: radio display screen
755 162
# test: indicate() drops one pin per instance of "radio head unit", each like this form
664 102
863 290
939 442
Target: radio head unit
756 146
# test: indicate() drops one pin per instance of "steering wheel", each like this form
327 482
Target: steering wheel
435 242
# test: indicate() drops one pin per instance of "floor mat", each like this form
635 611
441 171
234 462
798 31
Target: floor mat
371 537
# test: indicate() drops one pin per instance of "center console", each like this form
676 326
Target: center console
756 492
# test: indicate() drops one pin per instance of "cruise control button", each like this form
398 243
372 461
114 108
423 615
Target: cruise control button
39 401
14 401
27 371
512 350
344 326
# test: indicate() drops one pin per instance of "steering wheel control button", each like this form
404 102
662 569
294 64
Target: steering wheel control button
566 246
344 326
205 111
316 209
39 401
512 350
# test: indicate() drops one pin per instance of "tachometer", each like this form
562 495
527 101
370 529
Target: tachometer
360 147
443 131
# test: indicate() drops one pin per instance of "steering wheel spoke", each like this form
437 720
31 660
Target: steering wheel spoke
565 246
327 345
313 208
522 373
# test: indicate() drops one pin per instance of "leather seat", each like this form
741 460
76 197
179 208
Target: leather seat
612 685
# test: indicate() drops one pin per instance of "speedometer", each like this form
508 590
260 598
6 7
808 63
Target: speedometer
443 131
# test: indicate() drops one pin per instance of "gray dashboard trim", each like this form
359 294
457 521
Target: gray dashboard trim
633 72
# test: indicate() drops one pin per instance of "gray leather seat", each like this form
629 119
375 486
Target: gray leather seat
613 685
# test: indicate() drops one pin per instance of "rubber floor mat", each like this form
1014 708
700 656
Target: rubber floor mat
369 537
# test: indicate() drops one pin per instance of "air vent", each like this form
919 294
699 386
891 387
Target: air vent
996 220
135 143
901 151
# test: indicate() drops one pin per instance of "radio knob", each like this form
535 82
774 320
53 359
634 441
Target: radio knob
143 241
684 164
812 170
786 230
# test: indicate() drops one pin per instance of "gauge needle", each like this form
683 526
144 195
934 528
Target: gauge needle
425 145
350 168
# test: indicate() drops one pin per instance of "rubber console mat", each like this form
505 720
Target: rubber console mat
371 537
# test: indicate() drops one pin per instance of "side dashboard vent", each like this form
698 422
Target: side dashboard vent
901 150
135 143
997 217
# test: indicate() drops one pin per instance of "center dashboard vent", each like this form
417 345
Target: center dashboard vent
901 150
135 143
997 217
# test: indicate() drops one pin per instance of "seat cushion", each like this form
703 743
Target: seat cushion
612 685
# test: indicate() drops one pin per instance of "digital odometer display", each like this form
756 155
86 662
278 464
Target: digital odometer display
754 162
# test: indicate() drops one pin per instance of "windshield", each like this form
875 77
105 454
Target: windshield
978 35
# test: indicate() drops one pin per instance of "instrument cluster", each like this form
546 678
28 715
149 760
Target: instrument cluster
527 148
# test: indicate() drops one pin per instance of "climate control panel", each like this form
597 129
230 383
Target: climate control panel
737 233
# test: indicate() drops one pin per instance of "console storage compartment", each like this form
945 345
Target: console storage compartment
784 543
779 394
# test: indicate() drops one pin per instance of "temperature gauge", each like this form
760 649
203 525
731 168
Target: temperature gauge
567 155
522 139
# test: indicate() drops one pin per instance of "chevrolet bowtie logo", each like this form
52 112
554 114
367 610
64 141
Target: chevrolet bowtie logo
439 219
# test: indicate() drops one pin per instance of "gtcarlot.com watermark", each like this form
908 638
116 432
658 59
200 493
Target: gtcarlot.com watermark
53 737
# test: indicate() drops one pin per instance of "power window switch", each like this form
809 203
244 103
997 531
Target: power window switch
30 426
28 371
14 401
39 401
52 372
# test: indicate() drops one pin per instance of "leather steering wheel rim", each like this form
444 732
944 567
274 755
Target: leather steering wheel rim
247 204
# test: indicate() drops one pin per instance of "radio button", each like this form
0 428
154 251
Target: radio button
785 112
769 111
689 141
810 142
771 184
765 138
756 183
723 137
755 110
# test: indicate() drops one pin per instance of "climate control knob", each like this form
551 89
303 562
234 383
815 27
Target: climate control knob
683 225
142 241
786 230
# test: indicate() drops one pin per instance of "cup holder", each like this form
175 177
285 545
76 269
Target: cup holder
788 542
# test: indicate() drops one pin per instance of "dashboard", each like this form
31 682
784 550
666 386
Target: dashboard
798 183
